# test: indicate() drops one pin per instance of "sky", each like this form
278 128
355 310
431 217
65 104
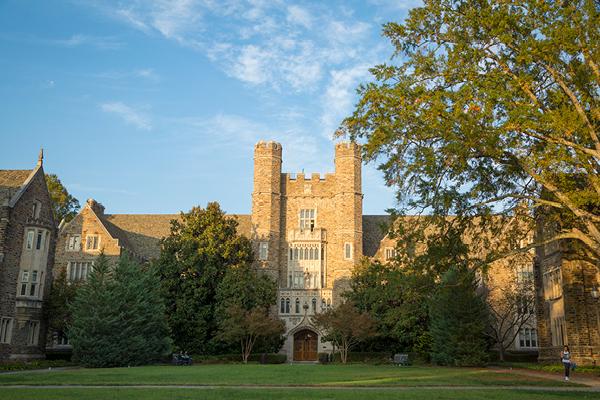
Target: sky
155 106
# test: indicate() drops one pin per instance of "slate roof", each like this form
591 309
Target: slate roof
374 227
141 233
11 181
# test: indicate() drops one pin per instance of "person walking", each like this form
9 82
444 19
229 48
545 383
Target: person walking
565 357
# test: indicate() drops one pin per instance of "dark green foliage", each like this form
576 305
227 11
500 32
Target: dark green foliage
119 317
64 206
62 295
490 109
458 320
194 258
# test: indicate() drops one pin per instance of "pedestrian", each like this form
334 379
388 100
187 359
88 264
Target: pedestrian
565 357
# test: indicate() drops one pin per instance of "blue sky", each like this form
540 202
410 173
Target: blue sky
155 106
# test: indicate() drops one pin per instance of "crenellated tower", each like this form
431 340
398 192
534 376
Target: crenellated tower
266 206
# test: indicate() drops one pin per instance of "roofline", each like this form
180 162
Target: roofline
13 201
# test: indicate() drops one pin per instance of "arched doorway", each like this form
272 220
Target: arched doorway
305 345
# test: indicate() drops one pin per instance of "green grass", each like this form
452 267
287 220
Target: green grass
286 374
278 394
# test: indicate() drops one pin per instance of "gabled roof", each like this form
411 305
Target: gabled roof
375 228
11 183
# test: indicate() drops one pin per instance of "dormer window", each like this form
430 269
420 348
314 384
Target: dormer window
308 219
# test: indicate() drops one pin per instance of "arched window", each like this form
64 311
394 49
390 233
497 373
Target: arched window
301 251
287 306
314 305
297 305
323 304
328 302
282 306
306 253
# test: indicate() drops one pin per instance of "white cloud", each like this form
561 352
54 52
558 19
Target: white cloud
251 65
299 16
339 96
127 114
147 73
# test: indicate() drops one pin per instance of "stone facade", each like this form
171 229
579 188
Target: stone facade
27 243
568 303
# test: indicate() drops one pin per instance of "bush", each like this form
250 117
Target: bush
368 357
33 364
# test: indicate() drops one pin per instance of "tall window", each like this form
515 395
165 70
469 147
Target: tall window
314 305
5 329
557 328
287 305
390 253
92 242
24 283
525 273
528 338
74 243
297 305
78 271
263 251
30 283
33 331
552 284
307 219
348 251
39 242
30 239
282 306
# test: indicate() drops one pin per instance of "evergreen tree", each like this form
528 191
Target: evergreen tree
119 317
194 258
458 320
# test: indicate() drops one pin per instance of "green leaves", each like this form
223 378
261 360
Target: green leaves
64 206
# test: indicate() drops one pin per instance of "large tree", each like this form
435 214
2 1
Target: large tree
119 316
202 247
491 108
64 205
345 326
62 296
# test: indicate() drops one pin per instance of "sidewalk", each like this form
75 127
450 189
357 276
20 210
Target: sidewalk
575 378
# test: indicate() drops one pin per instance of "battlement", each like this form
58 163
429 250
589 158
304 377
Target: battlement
270 144
347 149
301 176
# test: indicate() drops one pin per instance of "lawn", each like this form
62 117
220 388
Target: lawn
283 374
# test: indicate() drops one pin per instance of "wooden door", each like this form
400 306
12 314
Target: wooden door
305 345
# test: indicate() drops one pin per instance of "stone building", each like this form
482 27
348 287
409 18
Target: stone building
308 233
27 239
568 300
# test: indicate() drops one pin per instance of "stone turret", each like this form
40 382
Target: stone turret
266 205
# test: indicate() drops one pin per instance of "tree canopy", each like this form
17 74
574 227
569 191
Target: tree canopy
64 205
202 246
491 108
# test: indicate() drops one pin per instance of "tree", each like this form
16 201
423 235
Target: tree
119 317
246 326
458 320
345 327
396 298
202 247
64 205
492 111
58 311
510 307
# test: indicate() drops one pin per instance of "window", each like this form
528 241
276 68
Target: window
92 242
40 240
24 282
36 208
525 273
5 329
282 307
287 306
263 250
33 331
297 305
552 284
527 338
30 237
348 251
78 271
323 304
298 280
74 243
390 253
34 283
307 219
314 305
62 340
557 328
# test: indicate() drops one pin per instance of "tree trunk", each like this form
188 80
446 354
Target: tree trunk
501 350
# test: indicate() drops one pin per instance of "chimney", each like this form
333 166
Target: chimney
98 208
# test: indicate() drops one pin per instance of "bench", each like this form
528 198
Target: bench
401 359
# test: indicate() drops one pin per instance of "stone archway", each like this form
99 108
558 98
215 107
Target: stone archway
305 345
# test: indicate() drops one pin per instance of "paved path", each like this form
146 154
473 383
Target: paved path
575 378
315 387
